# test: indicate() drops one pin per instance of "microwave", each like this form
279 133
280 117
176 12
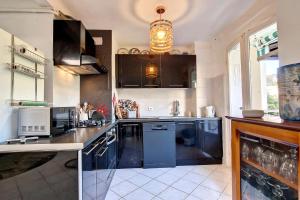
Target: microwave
63 120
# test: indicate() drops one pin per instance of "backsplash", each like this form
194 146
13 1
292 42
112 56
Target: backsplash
159 102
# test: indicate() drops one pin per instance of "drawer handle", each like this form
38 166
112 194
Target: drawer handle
95 146
103 152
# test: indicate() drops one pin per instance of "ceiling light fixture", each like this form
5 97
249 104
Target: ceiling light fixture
161 33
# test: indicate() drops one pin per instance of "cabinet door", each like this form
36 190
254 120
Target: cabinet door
129 71
178 70
186 143
130 149
155 62
210 132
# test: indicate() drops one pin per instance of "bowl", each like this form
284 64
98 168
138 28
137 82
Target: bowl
253 113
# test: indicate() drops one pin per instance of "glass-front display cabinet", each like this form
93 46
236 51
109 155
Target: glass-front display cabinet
265 159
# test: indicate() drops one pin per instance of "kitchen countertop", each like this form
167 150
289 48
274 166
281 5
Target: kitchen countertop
75 140
167 119
82 137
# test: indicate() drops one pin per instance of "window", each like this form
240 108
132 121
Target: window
263 63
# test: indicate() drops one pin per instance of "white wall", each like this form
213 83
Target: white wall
161 99
217 85
289 31
66 88
34 25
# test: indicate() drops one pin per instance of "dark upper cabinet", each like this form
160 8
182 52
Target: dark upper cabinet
129 71
173 71
153 63
177 71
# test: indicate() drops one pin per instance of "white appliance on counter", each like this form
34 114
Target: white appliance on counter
34 121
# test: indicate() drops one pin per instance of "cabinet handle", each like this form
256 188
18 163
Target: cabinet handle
182 123
131 85
150 85
110 142
129 125
175 85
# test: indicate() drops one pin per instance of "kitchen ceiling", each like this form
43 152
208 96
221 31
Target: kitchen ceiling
194 20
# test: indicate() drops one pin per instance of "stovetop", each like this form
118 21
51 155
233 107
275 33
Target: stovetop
89 123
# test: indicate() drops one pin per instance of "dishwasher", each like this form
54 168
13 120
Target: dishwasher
159 144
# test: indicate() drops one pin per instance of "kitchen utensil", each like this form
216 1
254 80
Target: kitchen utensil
210 111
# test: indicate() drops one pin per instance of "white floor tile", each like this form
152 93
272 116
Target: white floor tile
172 194
215 184
179 172
205 193
123 188
225 197
139 180
112 196
185 186
224 177
168 178
139 194
152 173
204 171
125 173
155 187
228 189
194 177
177 183
116 180
191 197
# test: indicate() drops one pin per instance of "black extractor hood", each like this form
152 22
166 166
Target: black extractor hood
74 48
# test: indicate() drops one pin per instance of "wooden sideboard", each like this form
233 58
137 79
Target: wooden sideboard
286 135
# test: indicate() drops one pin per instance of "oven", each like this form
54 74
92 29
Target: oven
62 120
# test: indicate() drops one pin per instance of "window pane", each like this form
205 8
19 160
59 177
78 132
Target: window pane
263 70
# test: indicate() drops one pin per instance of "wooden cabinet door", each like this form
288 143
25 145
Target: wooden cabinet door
155 61
129 71
177 70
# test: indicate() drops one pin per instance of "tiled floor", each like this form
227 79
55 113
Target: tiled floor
200 182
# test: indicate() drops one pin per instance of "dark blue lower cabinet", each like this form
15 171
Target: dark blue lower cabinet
210 135
130 145
99 161
199 142
39 175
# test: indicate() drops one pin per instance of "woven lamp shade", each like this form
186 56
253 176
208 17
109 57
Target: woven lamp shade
151 71
161 36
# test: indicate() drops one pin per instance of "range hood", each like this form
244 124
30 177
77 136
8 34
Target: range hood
74 48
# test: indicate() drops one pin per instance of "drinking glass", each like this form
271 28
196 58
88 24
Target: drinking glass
257 154
245 151
289 166
270 160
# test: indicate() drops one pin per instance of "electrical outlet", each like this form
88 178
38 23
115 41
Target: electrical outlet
150 108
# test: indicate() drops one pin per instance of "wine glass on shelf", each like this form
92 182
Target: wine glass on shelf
245 150
289 167
257 154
